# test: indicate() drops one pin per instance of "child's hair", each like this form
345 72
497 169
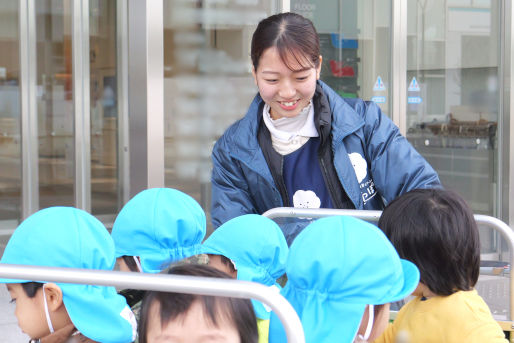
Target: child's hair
173 305
130 262
227 262
436 230
31 288
292 35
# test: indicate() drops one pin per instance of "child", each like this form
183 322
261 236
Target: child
300 144
435 229
342 274
54 312
176 317
251 248
156 227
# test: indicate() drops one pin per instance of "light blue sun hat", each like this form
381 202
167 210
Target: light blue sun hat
161 226
336 267
72 238
257 247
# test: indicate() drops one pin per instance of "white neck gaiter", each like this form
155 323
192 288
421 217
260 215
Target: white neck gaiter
289 134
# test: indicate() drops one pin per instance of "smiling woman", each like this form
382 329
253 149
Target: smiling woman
299 137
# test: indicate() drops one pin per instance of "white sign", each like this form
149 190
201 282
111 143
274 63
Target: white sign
414 85
379 85
414 100
379 99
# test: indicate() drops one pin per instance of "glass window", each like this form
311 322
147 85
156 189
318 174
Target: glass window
355 39
453 94
207 83
105 195
10 114
55 103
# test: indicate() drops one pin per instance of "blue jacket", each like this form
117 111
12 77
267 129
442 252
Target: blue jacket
373 161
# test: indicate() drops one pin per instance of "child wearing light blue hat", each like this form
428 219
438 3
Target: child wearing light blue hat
342 274
66 237
256 250
157 227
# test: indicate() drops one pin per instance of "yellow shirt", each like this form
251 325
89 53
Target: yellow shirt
460 317
263 329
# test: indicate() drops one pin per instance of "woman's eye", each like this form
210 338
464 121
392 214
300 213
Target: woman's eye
271 80
13 301
302 78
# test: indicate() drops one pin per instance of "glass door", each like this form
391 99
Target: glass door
453 54
355 42
10 115
454 116
55 103
208 83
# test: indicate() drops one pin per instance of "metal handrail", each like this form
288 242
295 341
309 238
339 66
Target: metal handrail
166 283
374 216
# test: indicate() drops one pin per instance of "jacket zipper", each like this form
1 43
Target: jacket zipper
328 180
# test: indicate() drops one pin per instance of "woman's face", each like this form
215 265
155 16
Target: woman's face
29 311
193 327
286 91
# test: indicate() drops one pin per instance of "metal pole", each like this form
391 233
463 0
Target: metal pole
399 64
289 212
81 101
166 283
506 231
28 106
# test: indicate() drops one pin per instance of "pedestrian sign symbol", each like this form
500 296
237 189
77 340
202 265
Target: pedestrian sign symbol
414 85
379 85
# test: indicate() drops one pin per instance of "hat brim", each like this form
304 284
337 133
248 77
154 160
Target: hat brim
340 320
99 313
410 282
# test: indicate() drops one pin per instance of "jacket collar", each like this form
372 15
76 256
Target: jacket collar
346 119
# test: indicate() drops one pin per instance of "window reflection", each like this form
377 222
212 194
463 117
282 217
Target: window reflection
105 195
207 83
10 115
10 131
55 103
453 95
355 44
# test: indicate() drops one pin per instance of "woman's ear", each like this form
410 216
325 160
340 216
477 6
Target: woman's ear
53 295
318 69
254 74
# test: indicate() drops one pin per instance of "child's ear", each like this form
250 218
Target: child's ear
53 295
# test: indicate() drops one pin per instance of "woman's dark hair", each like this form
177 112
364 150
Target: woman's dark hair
173 305
292 35
31 288
435 229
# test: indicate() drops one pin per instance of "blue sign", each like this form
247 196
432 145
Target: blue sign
379 99
379 85
414 85
414 100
